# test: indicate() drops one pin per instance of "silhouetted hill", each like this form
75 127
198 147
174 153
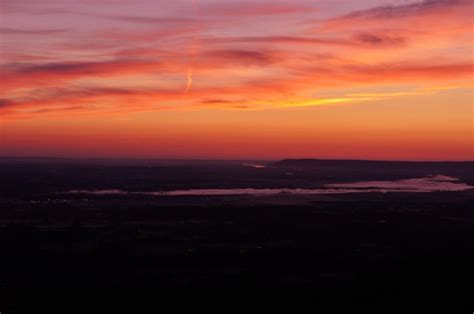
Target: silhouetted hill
317 163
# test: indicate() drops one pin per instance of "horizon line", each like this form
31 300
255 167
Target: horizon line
237 159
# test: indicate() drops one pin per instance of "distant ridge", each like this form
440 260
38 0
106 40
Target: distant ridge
316 163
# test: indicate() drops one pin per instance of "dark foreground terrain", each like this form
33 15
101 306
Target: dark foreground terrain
357 253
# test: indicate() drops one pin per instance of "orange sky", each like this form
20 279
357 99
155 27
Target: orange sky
367 79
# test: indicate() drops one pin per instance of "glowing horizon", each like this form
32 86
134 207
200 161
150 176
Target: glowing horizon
209 79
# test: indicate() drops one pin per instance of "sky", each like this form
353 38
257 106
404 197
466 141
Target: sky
228 79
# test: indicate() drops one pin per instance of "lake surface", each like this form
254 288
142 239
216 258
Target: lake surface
434 183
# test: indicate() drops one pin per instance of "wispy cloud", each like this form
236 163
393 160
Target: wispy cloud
137 59
247 8
17 31
406 11
34 75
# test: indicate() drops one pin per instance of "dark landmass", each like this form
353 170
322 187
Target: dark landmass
315 163
357 253
387 169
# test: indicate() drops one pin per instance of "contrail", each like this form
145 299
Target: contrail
190 80
194 4
192 54
190 73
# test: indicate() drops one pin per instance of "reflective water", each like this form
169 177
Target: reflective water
415 185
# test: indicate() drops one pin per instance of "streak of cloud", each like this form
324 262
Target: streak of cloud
192 54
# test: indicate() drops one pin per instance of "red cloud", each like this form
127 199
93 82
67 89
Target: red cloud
36 75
